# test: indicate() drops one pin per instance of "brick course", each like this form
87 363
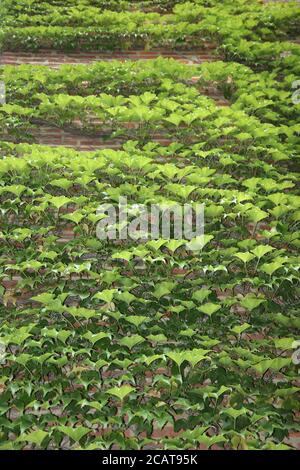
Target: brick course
55 58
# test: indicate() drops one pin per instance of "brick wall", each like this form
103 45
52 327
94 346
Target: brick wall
52 136
56 58
59 137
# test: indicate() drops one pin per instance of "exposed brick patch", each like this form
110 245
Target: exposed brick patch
56 58
60 137
56 137
293 440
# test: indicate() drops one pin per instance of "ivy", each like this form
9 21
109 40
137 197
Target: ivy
105 342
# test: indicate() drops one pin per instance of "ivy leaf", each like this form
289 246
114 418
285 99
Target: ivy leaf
245 257
256 215
131 341
198 243
177 356
82 312
63 183
59 201
74 433
201 294
44 298
136 320
23 358
163 288
239 329
121 392
180 190
251 301
126 255
284 343
126 297
34 437
106 295
93 338
148 360
160 338
233 413
275 364
189 332
75 217
270 268
63 335
174 244
262 250
209 308
155 245
194 434
175 119
195 356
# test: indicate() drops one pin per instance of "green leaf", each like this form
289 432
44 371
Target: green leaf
255 215
148 360
63 335
177 356
136 320
44 298
245 257
239 329
106 295
175 119
234 413
195 356
160 338
270 268
201 294
82 312
251 301
174 244
74 433
75 217
164 288
34 437
121 392
59 201
274 364
126 255
131 341
262 250
209 308
93 338
198 243
284 343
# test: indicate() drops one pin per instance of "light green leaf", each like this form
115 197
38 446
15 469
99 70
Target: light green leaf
209 308
262 250
198 243
121 392
131 341
251 301
74 433
93 338
163 288
34 437
245 257
106 295
136 320
239 329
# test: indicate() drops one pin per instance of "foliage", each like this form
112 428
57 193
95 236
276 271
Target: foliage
32 25
114 343
216 326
